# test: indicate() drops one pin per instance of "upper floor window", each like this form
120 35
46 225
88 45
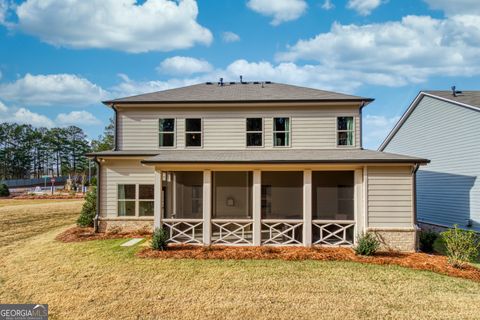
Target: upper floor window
254 132
281 132
345 131
193 132
166 132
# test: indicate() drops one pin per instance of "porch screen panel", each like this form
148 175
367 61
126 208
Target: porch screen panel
333 195
232 194
282 195
183 195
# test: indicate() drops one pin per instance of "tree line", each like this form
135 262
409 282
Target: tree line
28 152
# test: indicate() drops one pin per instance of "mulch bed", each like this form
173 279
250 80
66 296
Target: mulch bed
417 261
48 197
77 234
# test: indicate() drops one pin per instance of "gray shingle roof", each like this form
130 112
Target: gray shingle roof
239 92
471 98
281 156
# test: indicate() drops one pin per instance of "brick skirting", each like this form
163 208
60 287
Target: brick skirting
404 240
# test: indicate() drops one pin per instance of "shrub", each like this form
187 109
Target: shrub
159 239
461 246
4 192
367 244
427 239
89 209
93 181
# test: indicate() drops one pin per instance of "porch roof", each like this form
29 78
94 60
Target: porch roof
331 156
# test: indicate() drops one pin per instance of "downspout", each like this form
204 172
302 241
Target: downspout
115 134
361 124
97 207
414 187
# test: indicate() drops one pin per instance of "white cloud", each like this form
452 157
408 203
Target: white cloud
451 7
328 5
77 118
3 107
155 25
376 128
184 65
53 89
280 10
26 116
363 7
229 36
3 11
396 53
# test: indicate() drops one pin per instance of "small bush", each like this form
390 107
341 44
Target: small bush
159 239
4 192
89 209
461 246
93 181
367 244
427 239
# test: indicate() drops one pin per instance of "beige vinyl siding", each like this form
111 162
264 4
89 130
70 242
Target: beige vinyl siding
116 172
224 128
390 201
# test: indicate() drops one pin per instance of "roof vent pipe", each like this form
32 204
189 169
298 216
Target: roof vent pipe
455 91
221 82
241 79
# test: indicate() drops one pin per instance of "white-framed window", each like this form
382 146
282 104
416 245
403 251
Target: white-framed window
135 200
254 129
281 132
345 131
166 132
193 132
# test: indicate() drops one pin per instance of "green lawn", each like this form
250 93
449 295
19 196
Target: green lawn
100 279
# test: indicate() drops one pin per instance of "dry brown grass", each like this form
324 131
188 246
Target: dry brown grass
101 280
22 219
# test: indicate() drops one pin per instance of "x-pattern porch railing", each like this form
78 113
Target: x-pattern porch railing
226 231
282 232
334 232
184 230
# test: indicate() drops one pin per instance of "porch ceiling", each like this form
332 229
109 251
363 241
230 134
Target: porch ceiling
331 156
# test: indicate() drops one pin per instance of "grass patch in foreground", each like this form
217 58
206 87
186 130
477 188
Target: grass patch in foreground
100 279
23 219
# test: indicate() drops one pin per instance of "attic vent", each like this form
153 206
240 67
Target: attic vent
232 82
208 83
455 91
256 82
268 82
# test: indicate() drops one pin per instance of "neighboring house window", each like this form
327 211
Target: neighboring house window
126 199
135 201
145 199
345 131
281 132
166 132
193 132
254 132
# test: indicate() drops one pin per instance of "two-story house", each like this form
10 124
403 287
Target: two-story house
255 163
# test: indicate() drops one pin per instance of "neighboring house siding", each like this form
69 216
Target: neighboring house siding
448 191
116 172
390 201
311 128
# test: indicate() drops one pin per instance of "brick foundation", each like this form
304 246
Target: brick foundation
404 240
127 225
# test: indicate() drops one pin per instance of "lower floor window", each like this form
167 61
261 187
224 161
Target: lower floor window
135 200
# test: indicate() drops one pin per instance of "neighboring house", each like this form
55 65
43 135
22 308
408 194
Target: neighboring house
443 126
253 164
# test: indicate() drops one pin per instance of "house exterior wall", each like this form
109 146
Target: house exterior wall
225 127
448 189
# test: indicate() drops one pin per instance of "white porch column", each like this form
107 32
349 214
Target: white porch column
157 197
257 204
207 206
307 208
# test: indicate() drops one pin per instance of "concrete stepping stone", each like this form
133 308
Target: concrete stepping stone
131 242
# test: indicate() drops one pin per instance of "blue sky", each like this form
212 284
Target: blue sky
59 59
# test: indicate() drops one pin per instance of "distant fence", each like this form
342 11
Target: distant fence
18 183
